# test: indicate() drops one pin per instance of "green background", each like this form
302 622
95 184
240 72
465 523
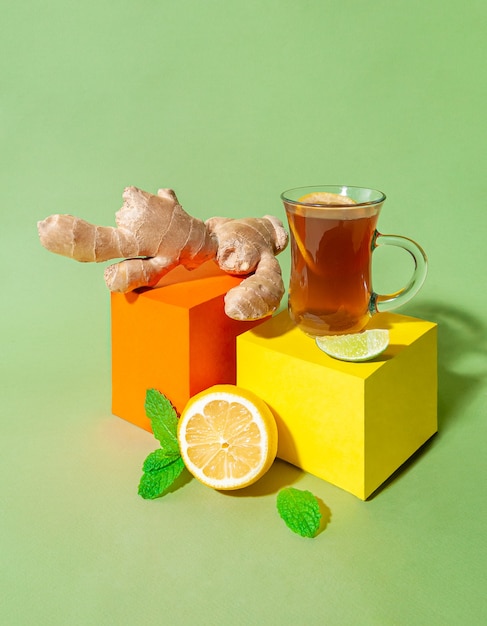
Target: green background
230 103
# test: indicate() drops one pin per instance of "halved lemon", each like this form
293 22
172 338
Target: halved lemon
227 437
355 347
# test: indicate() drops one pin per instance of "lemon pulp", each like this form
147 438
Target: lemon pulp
227 437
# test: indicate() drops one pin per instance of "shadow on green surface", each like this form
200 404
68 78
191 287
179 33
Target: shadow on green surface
325 516
462 356
280 475
181 481
404 468
462 367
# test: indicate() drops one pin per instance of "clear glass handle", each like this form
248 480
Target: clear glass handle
391 301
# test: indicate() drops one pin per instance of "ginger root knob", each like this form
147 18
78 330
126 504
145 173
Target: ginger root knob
154 234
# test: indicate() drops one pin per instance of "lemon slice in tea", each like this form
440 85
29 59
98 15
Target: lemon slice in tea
356 347
227 437
326 198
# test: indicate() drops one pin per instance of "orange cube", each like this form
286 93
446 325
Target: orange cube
175 338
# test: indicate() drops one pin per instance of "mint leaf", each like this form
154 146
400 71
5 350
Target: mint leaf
164 465
157 460
164 421
155 481
300 511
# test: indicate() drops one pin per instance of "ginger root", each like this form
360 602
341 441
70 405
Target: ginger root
248 246
154 234
154 228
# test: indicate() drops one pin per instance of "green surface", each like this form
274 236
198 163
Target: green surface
231 103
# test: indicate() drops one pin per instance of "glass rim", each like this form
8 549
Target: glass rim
381 196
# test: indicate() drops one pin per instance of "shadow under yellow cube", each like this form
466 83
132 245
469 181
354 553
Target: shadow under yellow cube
352 424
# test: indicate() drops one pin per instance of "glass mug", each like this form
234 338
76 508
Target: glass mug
330 289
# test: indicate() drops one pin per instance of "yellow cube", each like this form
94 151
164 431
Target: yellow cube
352 424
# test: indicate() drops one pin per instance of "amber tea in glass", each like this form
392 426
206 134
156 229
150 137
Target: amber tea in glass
333 234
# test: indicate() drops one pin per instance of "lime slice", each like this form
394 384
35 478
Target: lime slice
357 347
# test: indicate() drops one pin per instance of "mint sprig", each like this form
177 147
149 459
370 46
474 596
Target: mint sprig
154 483
163 466
164 421
300 511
